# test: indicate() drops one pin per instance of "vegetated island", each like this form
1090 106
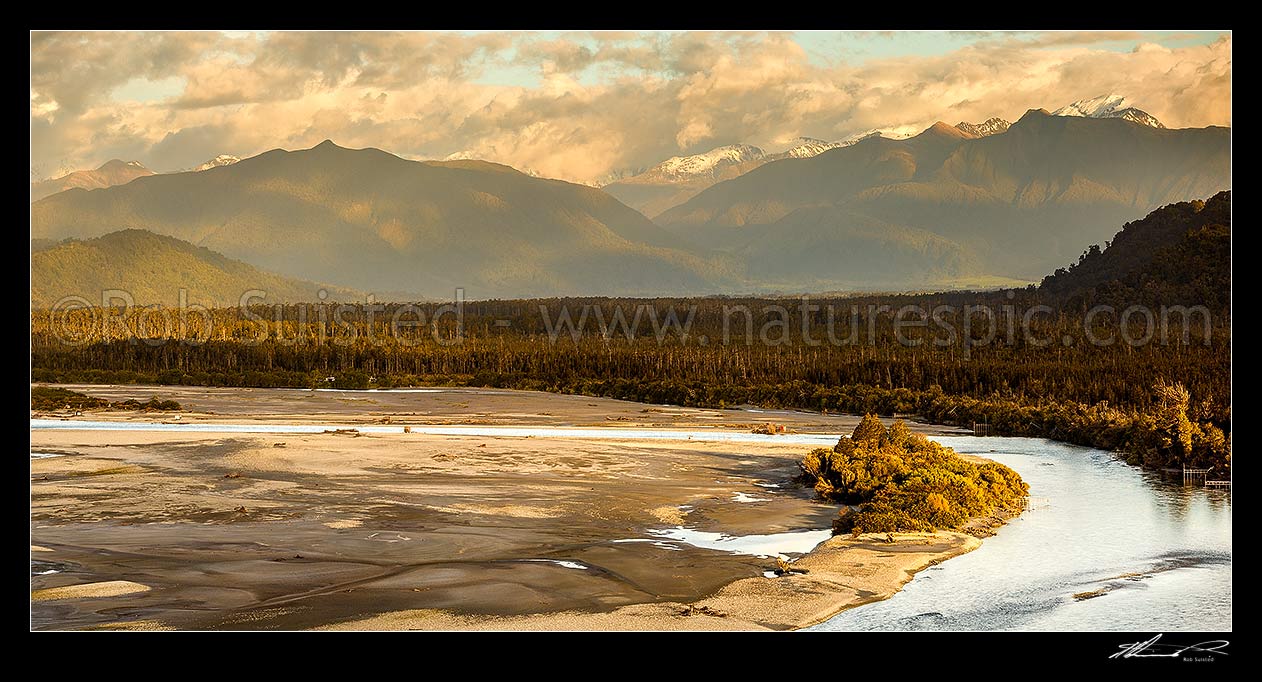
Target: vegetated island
895 480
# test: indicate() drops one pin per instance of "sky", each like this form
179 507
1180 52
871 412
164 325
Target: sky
584 106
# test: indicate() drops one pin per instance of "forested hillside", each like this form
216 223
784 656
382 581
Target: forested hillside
1177 255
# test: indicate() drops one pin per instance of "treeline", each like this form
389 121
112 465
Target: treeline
1108 396
508 343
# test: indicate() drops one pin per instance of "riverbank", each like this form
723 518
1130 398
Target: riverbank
411 530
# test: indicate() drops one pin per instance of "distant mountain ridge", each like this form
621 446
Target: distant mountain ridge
672 182
991 126
217 162
679 178
108 174
942 209
373 221
806 147
1109 106
707 165
113 172
1013 205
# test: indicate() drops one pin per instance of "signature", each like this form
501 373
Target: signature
1153 648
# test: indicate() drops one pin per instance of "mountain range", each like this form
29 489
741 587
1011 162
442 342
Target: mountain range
970 205
370 220
679 178
991 126
660 187
110 173
1012 205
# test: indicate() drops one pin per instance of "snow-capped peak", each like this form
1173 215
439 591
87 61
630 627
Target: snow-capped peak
710 165
1096 107
991 126
805 147
801 141
705 164
221 160
1109 106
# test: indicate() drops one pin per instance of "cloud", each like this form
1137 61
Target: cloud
1050 38
193 142
77 69
587 104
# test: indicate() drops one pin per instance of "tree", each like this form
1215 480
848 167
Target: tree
869 430
899 433
1176 429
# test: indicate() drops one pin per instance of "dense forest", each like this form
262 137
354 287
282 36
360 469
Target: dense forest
1153 383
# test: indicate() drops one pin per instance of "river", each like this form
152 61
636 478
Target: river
1159 554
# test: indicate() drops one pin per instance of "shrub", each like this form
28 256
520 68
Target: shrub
53 398
895 480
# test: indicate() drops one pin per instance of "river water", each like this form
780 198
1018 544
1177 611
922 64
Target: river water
585 433
1157 554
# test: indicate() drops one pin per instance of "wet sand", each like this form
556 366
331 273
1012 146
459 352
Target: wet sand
414 531
843 573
